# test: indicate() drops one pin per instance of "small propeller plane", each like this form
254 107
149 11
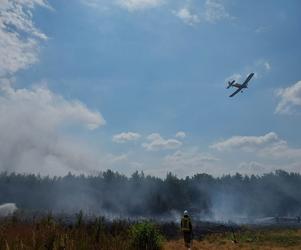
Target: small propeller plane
239 87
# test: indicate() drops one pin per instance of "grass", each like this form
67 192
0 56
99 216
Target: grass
47 232
260 239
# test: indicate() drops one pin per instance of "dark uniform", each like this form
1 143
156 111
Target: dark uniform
186 228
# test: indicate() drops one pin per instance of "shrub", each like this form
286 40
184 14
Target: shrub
79 218
145 236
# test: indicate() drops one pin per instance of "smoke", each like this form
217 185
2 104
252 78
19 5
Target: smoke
31 132
229 198
7 209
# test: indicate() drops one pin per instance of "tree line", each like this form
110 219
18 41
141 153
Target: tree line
112 193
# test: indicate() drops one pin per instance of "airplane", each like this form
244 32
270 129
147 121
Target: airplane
239 87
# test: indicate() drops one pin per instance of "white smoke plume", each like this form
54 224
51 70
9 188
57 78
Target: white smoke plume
7 209
31 136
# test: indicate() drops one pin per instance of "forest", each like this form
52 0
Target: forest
113 194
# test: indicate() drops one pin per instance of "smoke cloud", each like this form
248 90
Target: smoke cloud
31 132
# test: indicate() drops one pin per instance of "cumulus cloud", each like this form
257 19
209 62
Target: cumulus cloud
290 99
187 16
180 135
280 149
19 37
30 137
215 11
156 142
269 146
258 154
245 141
126 137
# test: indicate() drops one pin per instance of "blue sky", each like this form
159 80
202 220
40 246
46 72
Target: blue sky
122 78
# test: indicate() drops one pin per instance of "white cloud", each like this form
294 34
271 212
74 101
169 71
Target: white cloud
261 67
215 11
156 142
180 135
44 105
187 16
30 137
133 5
245 142
280 150
125 137
93 3
268 146
19 38
130 5
290 99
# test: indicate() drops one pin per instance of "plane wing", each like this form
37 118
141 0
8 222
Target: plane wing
248 79
233 94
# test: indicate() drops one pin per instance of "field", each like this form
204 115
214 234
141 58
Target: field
279 239
47 232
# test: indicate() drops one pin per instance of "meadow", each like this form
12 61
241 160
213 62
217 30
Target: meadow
259 239
49 232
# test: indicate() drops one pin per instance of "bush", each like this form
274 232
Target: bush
145 236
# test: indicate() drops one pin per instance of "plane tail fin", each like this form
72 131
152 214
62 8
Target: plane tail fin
230 84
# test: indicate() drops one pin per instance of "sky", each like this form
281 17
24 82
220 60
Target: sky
90 85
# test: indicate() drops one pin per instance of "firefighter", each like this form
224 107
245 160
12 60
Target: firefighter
186 228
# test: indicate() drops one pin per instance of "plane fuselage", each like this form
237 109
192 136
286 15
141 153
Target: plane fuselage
238 85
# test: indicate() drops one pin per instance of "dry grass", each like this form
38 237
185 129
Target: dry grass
101 235
53 236
248 240
227 245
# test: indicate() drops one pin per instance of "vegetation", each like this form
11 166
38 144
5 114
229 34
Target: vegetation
48 232
273 194
267 239
146 236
